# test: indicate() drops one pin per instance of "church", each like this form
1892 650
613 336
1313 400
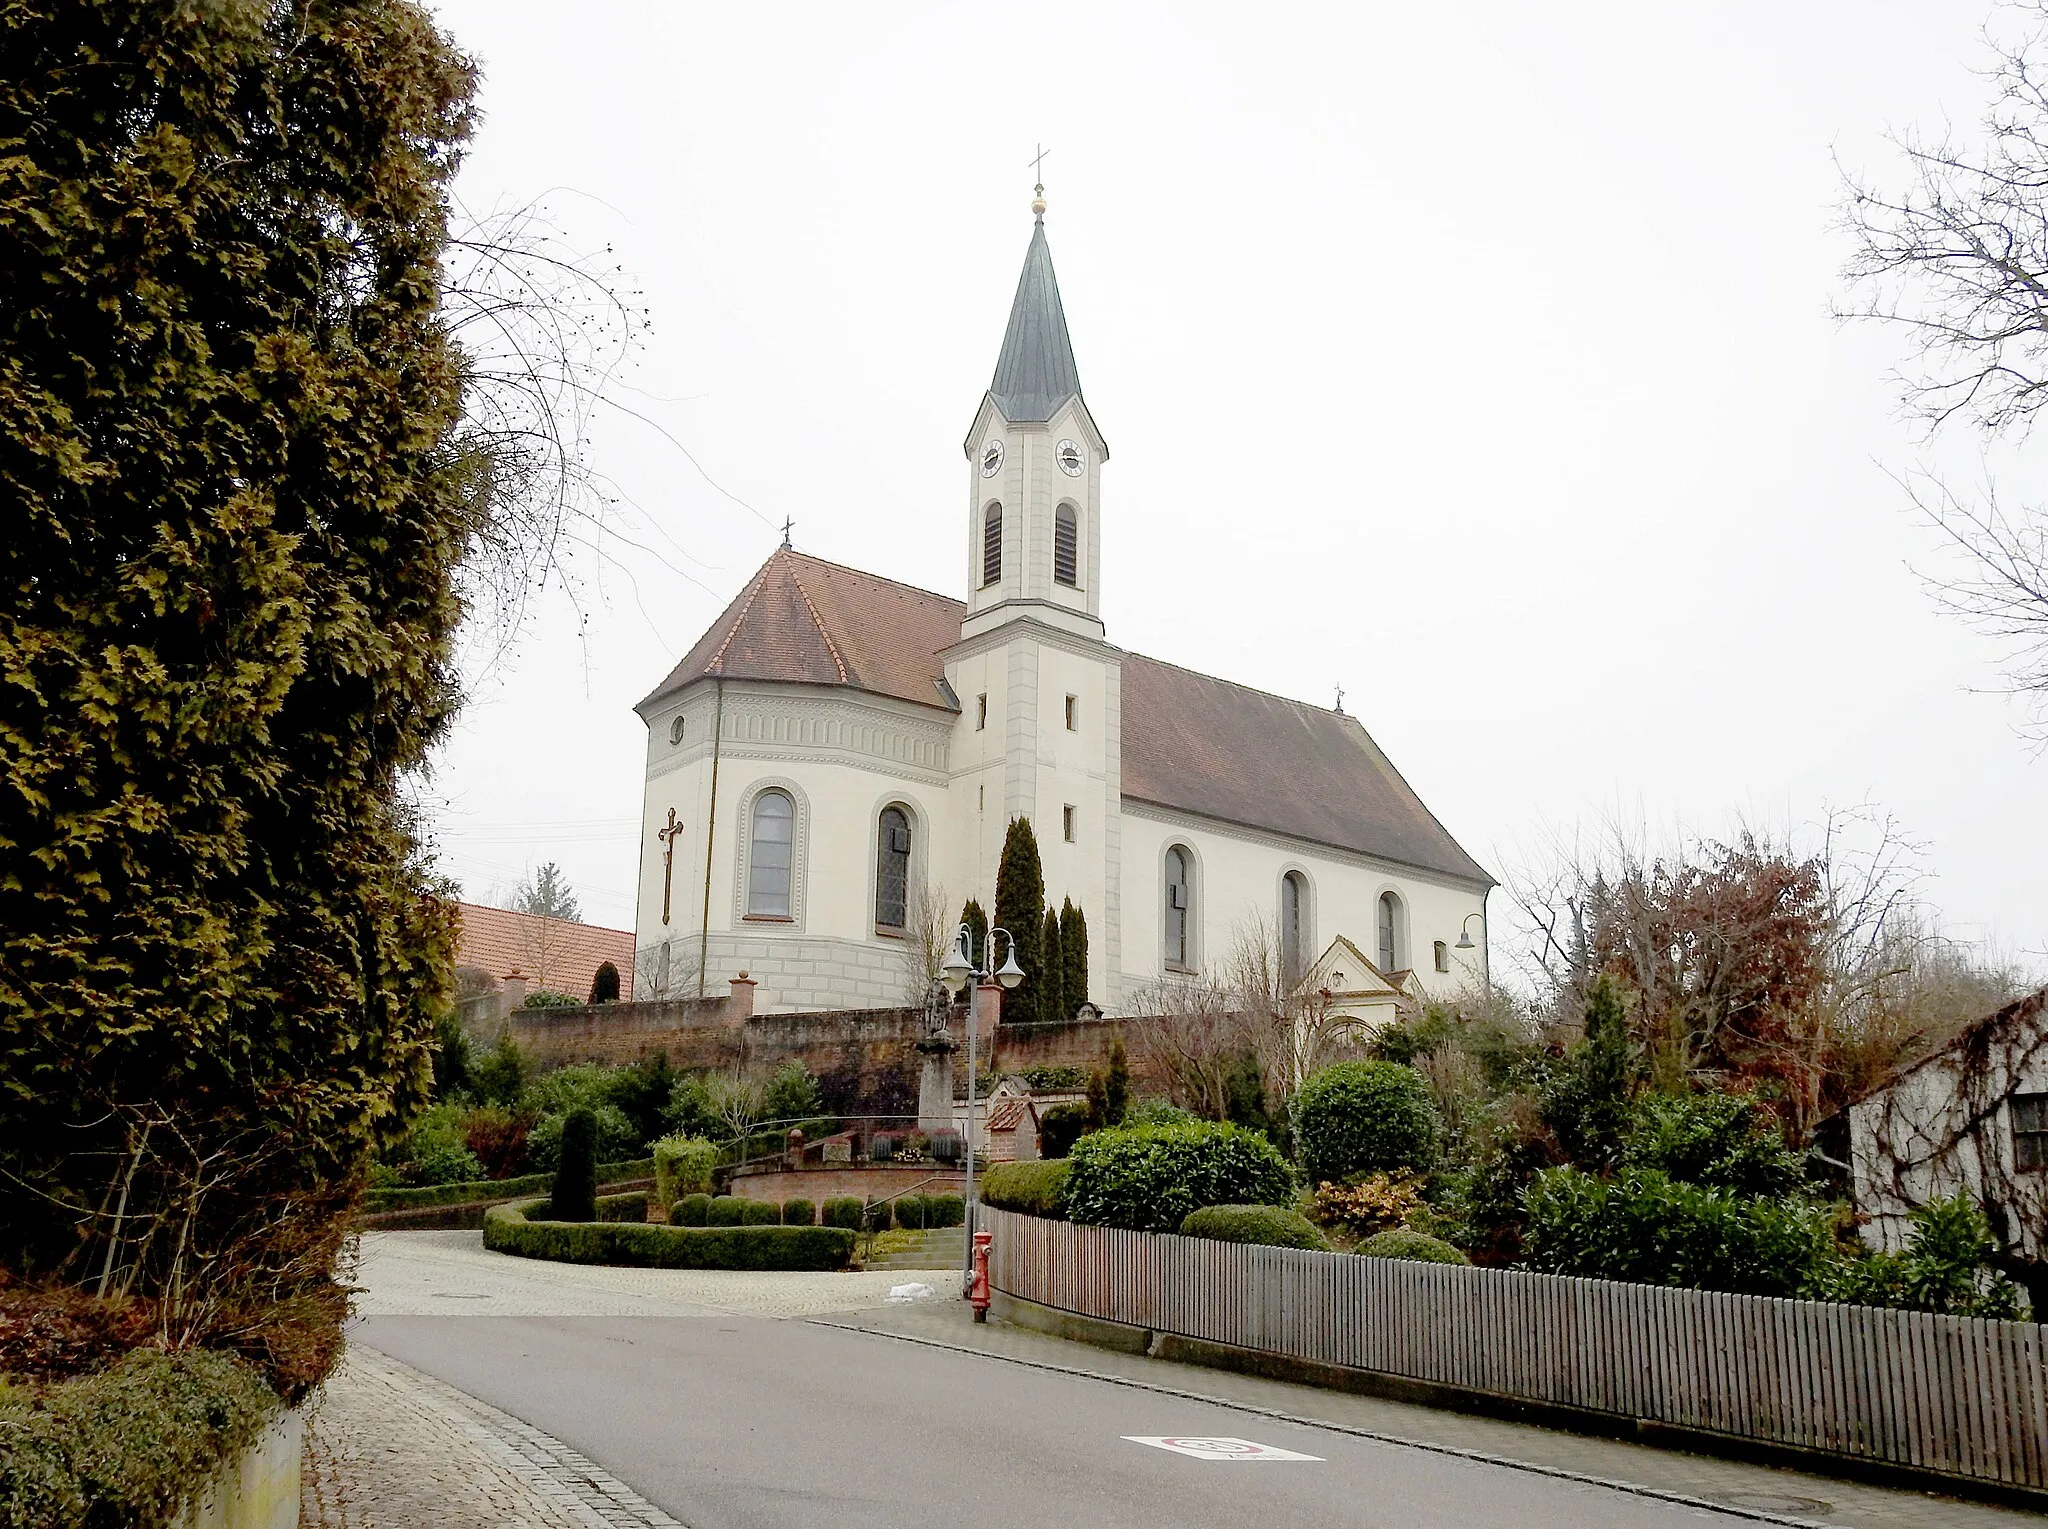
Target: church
838 752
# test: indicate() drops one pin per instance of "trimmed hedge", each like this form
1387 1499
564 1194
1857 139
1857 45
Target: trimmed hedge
725 1210
1399 1242
910 1213
496 1189
644 1246
799 1213
631 1206
844 1211
125 1445
1361 1117
1266 1225
691 1210
1149 1178
944 1210
760 1213
1030 1189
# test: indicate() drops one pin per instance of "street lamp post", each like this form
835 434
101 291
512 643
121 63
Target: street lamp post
964 971
1486 957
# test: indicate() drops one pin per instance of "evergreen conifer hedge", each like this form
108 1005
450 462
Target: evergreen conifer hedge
647 1246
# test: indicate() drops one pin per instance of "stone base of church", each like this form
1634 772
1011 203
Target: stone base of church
794 973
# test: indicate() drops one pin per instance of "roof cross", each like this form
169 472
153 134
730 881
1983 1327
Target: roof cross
1038 165
786 524
1340 698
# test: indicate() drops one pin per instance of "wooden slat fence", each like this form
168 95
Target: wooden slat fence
1962 1396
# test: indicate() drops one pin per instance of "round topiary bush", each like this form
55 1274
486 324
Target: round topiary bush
760 1213
944 1210
843 1211
1363 1117
724 1210
910 1213
1402 1243
691 1210
1267 1225
1149 1178
799 1213
1030 1189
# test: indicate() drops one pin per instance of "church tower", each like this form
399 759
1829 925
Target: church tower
1038 684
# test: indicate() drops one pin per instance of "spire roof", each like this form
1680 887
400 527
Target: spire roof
1036 373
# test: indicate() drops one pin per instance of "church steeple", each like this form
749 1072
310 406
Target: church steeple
1035 373
1034 473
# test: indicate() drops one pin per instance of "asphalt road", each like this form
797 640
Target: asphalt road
733 1422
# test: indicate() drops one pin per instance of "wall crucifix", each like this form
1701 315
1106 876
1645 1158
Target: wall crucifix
668 837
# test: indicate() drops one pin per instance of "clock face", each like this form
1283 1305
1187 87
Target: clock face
1070 458
992 458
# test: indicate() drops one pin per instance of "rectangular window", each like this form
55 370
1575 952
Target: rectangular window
1443 956
981 711
1067 821
2029 1131
1073 714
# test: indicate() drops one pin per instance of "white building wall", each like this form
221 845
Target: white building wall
1237 882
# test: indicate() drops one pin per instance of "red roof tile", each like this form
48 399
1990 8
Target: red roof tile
548 952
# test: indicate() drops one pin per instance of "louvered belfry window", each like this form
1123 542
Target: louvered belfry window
1066 546
892 869
991 544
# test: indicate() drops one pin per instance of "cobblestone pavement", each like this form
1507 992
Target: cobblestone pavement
448 1274
390 1448
1763 1492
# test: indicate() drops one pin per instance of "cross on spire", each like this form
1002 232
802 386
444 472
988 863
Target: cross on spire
1038 165
786 524
1340 698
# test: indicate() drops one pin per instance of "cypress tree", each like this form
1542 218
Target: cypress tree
1020 897
604 983
1074 953
1116 1088
977 928
1098 1100
575 1195
235 507
1052 991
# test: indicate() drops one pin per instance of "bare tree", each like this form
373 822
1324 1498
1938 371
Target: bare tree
1957 259
926 942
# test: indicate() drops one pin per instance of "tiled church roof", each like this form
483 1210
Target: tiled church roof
549 953
1191 742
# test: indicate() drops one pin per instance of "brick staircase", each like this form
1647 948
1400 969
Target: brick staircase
941 1249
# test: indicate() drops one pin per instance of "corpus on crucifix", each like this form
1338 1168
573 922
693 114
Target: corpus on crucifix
668 838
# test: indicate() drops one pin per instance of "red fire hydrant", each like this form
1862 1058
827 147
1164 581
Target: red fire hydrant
977 1285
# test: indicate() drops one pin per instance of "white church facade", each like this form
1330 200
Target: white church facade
839 749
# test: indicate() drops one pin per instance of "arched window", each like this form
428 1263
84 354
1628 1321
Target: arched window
1293 935
771 856
1180 908
991 544
1066 546
892 869
1390 932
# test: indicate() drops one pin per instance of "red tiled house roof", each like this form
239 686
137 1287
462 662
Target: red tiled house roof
1191 742
548 952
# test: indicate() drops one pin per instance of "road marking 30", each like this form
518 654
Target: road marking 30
1216 1449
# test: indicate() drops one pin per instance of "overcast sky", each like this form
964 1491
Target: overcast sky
1472 356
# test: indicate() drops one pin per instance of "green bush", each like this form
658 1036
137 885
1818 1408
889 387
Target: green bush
125 1444
626 1207
575 1193
1267 1225
944 1210
844 1211
1359 1117
682 1166
1030 1189
791 1095
1645 1227
725 1210
1716 1139
604 983
615 1134
507 1230
1060 1127
1400 1242
760 1213
1943 1269
910 1212
799 1213
1149 1178
1054 1079
691 1210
